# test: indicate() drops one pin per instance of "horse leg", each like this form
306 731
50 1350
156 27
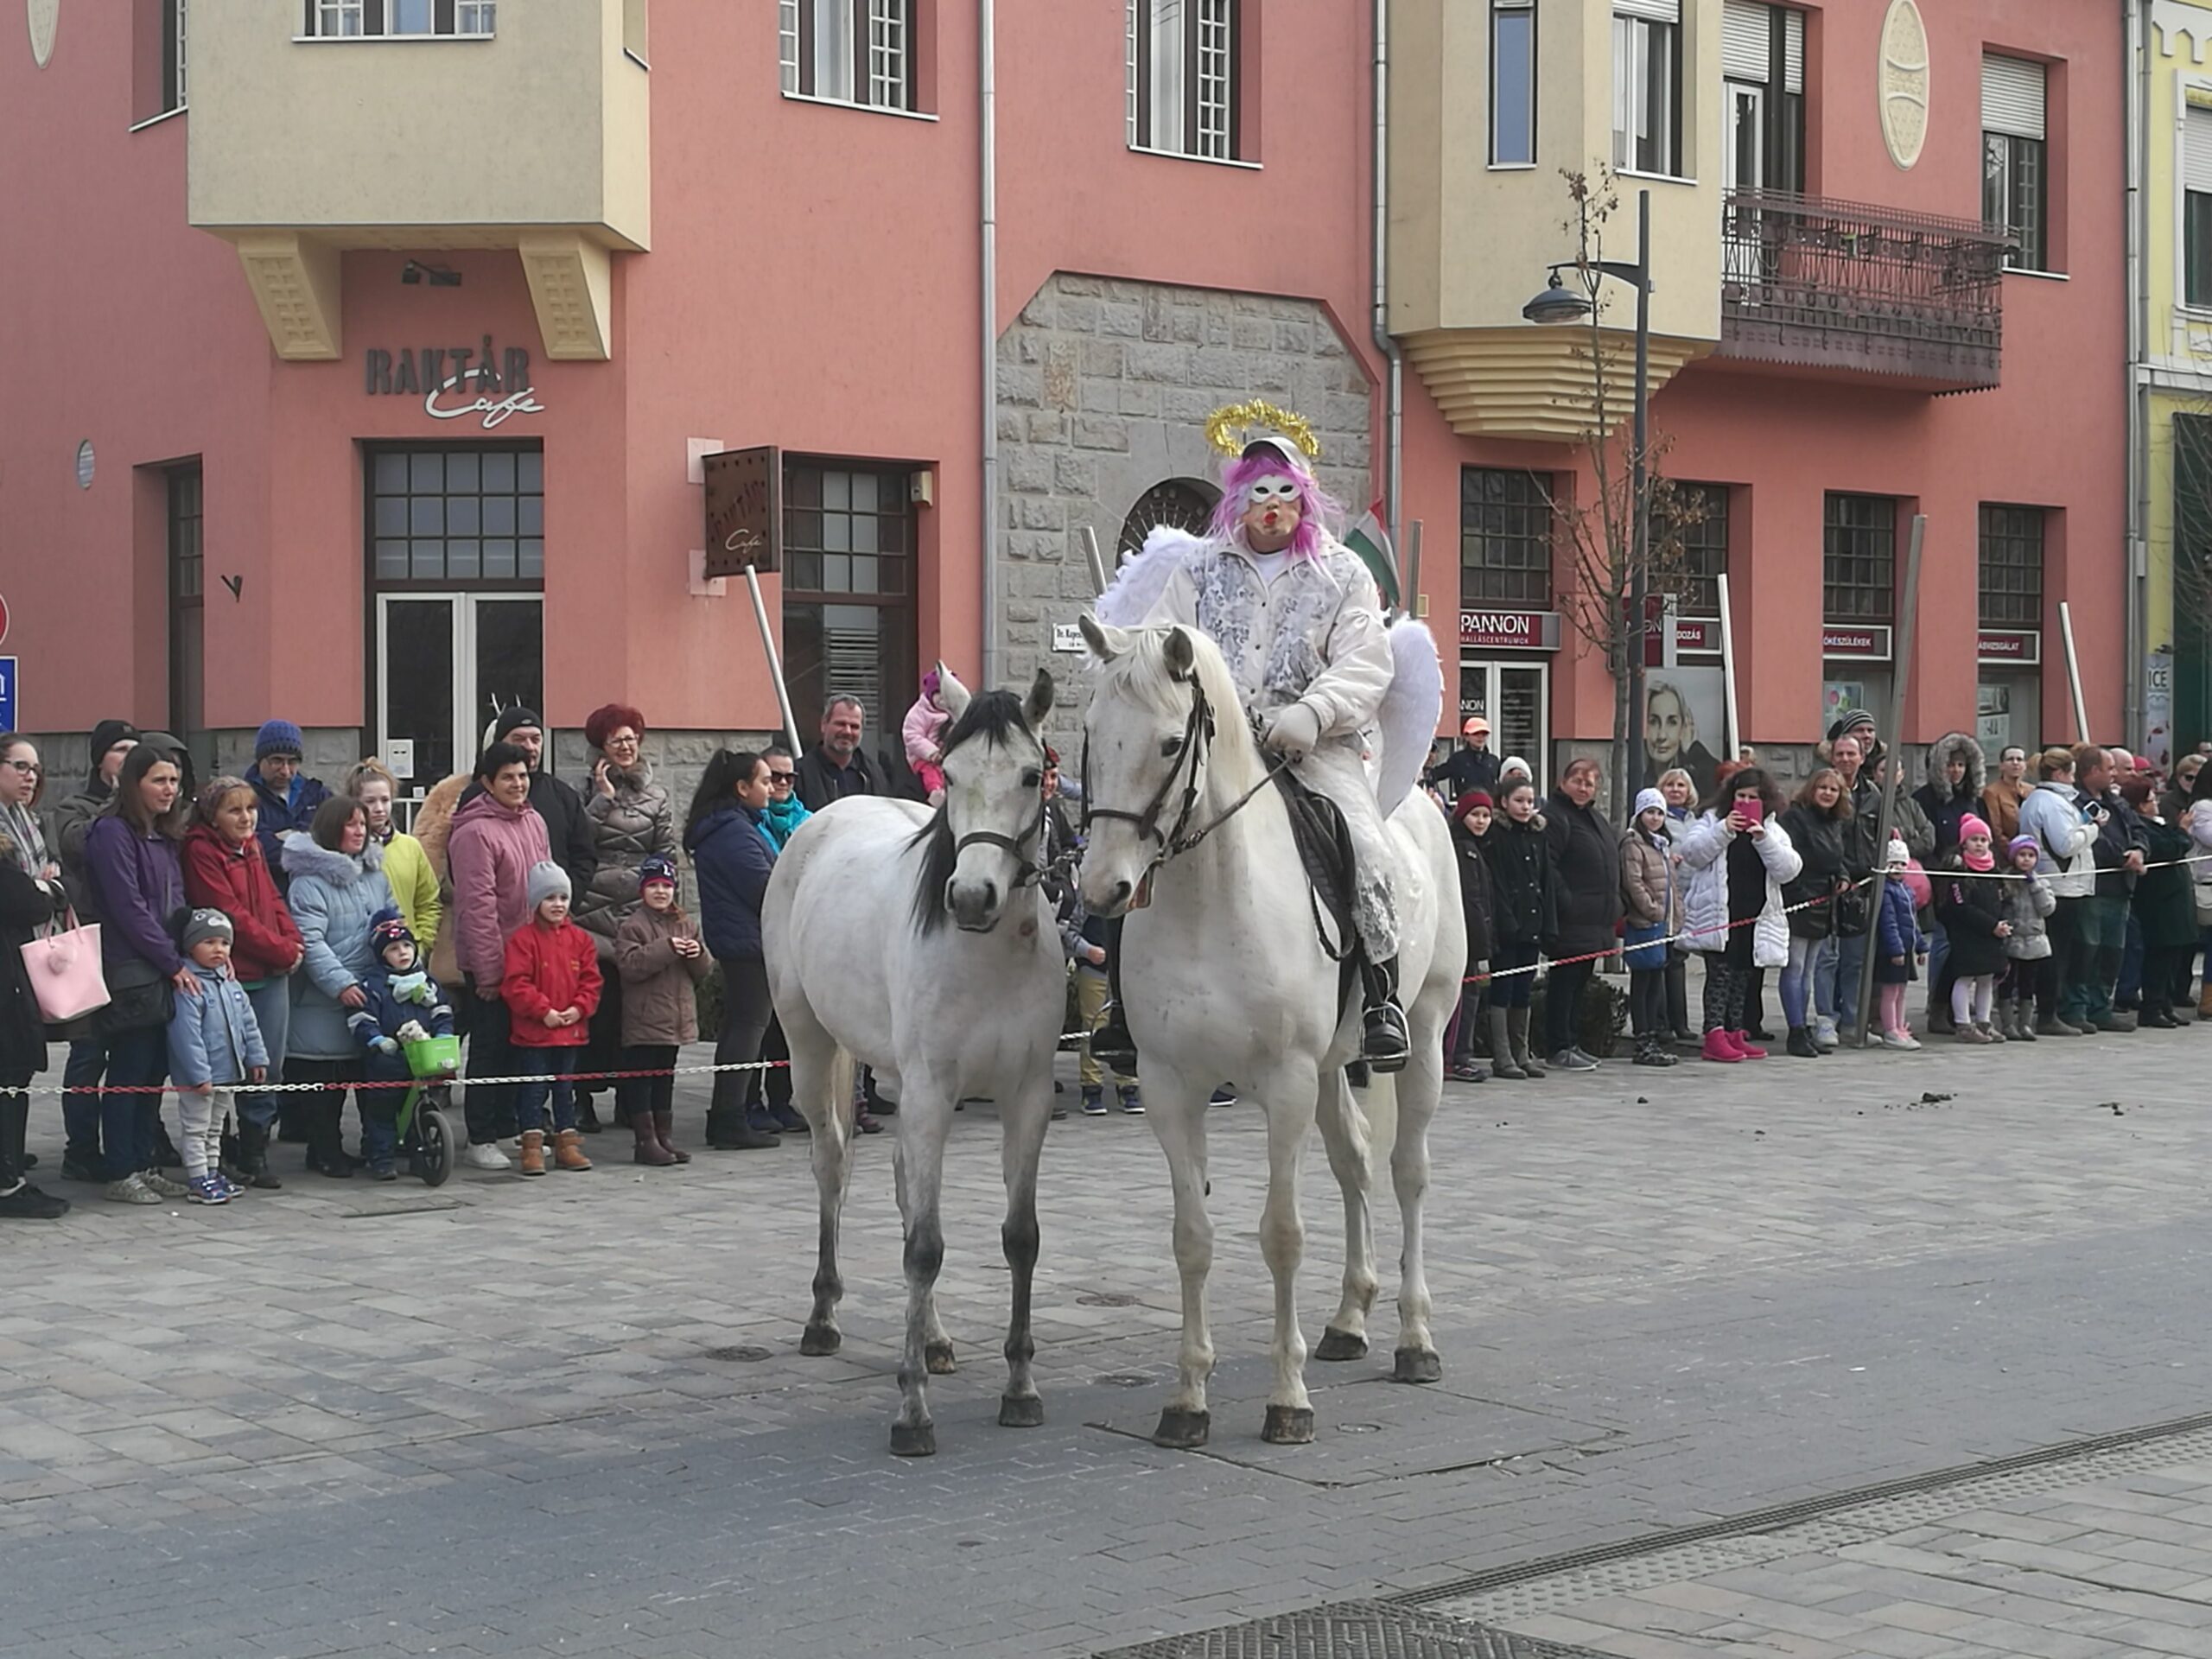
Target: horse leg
1420 1088
1176 1112
1291 1099
924 1123
820 1072
1023 1145
1344 1132
937 1342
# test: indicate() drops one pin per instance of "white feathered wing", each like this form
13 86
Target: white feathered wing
1406 724
1144 576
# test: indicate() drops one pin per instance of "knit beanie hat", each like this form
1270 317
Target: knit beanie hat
1647 800
659 868
1473 798
1972 825
107 734
1898 855
2012 847
203 924
1515 763
277 737
546 879
387 928
513 717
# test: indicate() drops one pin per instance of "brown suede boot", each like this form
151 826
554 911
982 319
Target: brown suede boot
2204 1000
567 1153
649 1149
663 1126
532 1159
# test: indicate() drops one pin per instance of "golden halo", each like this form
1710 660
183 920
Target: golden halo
1230 428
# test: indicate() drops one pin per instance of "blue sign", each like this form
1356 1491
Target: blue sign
7 694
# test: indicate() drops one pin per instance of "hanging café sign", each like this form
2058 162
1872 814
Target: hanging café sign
455 382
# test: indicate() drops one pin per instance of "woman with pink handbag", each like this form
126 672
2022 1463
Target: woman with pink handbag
30 894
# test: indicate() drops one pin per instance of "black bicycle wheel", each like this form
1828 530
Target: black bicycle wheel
435 1130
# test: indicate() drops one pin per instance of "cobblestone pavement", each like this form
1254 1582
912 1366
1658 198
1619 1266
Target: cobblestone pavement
569 1415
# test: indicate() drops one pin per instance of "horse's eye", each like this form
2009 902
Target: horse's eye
1033 779
1170 747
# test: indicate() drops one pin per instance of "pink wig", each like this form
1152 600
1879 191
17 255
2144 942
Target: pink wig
1313 502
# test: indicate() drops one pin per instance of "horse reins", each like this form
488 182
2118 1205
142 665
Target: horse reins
1190 765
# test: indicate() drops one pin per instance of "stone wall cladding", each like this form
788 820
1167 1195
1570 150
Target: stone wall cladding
1104 388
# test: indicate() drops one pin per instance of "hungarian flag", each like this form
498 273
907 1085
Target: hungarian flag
1372 542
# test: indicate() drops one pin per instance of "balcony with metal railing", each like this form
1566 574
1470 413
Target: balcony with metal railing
1811 285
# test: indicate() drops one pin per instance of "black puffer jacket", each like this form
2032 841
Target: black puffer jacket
1970 905
1944 804
1526 902
24 905
1586 861
1818 838
1478 892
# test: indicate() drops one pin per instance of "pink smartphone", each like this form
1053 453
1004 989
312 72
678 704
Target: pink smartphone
1754 809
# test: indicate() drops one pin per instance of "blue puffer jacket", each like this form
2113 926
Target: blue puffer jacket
731 855
394 999
213 1036
334 898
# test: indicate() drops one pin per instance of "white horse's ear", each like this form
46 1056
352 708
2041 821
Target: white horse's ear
1039 703
1182 656
954 696
1106 641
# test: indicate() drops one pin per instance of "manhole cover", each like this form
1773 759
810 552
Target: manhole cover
1105 1298
746 1354
1352 1629
1123 1380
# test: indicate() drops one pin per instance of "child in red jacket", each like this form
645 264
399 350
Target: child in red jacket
551 987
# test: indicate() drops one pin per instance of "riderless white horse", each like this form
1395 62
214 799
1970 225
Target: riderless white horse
863 966
1226 978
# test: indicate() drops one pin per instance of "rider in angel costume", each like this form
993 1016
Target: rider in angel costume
1300 622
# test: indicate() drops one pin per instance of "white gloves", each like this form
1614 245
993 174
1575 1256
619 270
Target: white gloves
385 1045
1294 732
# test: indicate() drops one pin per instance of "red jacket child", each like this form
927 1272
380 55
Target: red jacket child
551 966
233 876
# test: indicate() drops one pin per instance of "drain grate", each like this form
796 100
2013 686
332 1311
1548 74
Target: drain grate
745 1354
1351 1630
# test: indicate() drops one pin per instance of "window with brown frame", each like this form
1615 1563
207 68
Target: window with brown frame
1699 521
348 20
2012 566
1859 559
1505 537
187 566
849 587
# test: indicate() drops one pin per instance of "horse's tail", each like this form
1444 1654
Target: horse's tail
1411 708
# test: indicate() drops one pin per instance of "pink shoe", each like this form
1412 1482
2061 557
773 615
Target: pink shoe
1721 1047
1750 1051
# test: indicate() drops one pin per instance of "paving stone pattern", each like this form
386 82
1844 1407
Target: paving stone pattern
568 1415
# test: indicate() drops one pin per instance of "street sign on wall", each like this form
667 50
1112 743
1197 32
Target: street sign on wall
7 694
745 510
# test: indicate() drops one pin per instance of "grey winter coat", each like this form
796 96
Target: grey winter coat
2028 906
627 827
333 899
213 1036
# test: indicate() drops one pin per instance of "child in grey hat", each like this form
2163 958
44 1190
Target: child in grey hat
215 1049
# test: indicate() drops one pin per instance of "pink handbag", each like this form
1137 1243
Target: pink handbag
64 972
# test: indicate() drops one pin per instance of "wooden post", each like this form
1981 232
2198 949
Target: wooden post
2074 672
1908 610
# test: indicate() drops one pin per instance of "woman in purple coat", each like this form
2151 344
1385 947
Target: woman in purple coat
135 870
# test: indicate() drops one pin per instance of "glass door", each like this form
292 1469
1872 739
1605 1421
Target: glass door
447 664
1745 167
1515 698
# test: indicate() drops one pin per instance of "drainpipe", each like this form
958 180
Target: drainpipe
987 122
2137 105
1395 438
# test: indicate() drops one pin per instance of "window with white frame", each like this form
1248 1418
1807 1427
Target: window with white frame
848 51
349 20
1512 83
1182 62
1648 86
1762 122
2014 160
2197 206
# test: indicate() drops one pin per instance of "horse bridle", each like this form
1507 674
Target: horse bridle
1190 766
1029 871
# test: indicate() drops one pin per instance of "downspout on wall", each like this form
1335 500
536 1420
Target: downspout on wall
2136 103
1393 459
988 118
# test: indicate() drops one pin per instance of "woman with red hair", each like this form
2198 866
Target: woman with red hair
631 820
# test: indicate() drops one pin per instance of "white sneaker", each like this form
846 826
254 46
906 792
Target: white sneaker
481 1156
1899 1039
1824 1034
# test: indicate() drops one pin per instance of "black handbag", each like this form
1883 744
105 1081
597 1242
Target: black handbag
1850 911
140 997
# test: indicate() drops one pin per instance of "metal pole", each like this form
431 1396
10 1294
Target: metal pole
1098 583
1640 533
1410 592
1908 613
987 121
775 661
1728 669
2074 672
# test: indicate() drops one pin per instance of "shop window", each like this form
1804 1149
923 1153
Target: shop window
850 534
1185 504
1512 83
1763 57
2015 166
187 566
2012 566
1183 73
347 20
1859 559
859 52
1648 86
448 517
1505 537
1697 518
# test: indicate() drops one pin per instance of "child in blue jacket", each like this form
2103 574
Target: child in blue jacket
1898 944
403 1005
215 1049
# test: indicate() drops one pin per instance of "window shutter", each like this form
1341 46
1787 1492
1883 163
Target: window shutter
1659 11
1793 74
2011 97
1744 42
2196 150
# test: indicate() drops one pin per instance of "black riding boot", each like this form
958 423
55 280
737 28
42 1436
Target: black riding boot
1111 1046
1384 1042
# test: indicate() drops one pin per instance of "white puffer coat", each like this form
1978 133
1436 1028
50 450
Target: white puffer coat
1703 848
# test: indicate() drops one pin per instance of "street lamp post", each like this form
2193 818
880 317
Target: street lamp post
1556 304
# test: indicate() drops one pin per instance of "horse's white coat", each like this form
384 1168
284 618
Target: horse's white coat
942 1014
1225 981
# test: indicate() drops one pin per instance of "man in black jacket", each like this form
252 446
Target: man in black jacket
562 808
836 767
2121 848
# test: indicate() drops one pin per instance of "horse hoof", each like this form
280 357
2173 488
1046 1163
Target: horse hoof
1182 1431
1021 1411
937 1356
1288 1426
817 1340
1340 1345
914 1439
1418 1365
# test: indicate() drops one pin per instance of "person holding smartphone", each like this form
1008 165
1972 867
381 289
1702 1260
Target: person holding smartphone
1738 858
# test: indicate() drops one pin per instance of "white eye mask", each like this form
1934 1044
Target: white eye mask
1269 491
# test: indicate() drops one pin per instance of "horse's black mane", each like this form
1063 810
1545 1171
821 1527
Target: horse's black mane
992 715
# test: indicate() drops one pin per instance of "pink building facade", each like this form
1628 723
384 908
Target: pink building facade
228 491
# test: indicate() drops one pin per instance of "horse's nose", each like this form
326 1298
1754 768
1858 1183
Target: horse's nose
1117 900
975 905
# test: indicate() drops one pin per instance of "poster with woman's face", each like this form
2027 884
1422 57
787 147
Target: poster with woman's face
1685 723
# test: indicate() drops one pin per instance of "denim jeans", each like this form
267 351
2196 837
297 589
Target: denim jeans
1795 981
1835 977
550 1066
272 1012
135 1058
80 1114
379 1108
2103 941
